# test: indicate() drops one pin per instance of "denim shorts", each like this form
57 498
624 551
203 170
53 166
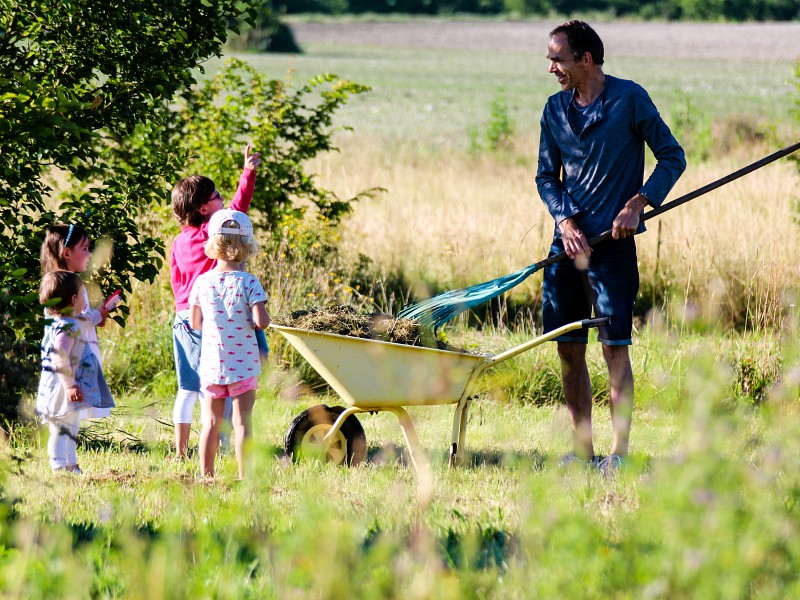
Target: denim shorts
186 344
609 286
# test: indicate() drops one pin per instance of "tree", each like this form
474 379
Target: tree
74 77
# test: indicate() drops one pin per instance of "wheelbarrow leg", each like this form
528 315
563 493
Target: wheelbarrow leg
462 431
459 434
337 425
415 450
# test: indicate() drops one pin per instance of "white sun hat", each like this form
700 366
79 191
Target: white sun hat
222 216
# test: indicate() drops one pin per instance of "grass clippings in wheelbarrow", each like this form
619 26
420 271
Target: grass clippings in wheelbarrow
347 320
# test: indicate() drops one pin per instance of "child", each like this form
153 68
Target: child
194 200
229 305
72 378
66 247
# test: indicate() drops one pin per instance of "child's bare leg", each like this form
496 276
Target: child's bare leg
182 414
213 411
182 432
242 413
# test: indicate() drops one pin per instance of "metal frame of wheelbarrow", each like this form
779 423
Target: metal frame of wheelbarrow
454 390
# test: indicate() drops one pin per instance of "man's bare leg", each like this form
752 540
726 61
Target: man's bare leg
620 375
578 394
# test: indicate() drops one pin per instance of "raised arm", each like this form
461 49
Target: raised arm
247 181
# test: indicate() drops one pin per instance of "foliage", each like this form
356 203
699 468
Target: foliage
692 128
269 34
288 125
499 130
75 76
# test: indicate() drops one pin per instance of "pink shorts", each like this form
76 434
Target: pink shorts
237 388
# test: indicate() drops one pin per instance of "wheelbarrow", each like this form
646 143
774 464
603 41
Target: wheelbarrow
373 375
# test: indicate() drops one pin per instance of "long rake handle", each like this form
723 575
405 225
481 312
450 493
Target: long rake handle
683 199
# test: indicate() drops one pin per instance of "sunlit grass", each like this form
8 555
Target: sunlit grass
708 506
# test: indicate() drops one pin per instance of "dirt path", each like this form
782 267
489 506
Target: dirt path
748 41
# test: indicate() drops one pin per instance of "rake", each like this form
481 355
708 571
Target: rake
438 310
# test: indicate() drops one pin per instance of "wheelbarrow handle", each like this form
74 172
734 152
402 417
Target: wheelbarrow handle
597 322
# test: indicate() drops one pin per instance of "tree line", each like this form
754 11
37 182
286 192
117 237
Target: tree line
690 10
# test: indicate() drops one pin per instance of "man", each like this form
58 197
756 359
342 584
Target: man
590 177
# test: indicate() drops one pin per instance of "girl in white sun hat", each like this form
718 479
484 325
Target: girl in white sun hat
229 305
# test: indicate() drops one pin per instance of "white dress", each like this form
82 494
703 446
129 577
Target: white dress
229 351
67 360
89 330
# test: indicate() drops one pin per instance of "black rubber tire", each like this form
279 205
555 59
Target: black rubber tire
312 424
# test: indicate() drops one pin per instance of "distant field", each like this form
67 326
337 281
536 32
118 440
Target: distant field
434 79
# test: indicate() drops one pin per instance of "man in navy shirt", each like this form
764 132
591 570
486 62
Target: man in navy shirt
591 178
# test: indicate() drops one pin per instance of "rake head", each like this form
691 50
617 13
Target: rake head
438 310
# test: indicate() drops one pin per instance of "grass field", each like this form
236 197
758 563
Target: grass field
707 506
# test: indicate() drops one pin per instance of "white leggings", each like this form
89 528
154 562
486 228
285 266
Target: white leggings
183 411
62 443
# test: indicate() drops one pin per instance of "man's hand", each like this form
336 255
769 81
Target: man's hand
575 243
251 161
628 218
75 394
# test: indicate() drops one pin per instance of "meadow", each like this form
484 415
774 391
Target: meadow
707 506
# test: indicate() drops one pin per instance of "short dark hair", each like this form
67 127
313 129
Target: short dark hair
61 286
581 39
188 196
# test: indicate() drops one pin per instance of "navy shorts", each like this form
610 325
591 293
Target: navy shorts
186 344
609 286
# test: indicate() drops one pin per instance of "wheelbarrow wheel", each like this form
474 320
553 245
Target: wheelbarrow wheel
304 437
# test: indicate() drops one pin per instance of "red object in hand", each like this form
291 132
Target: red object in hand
112 301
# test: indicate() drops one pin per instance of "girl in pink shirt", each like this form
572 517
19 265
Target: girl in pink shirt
194 200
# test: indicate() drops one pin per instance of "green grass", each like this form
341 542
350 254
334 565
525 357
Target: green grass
432 97
711 487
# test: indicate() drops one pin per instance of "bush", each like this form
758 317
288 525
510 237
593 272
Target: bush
75 75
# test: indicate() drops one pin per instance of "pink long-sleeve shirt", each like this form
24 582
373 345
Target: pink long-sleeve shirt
188 259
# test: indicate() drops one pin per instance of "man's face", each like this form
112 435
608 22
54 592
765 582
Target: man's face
562 64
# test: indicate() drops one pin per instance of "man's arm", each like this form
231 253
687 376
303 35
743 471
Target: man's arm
670 158
558 202
670 165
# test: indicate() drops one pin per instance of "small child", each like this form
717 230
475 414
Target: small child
72 379
66 247
194 200
229 305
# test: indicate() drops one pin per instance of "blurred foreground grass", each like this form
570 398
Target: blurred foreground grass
706 508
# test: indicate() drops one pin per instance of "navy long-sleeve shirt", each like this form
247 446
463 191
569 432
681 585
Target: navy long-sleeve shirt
600 150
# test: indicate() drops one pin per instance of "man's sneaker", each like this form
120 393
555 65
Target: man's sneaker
571 458
611 464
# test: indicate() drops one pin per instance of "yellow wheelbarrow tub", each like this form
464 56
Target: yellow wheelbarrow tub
373 375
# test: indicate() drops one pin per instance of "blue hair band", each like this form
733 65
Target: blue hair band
69 234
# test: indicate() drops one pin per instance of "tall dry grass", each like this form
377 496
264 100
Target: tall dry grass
452 220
